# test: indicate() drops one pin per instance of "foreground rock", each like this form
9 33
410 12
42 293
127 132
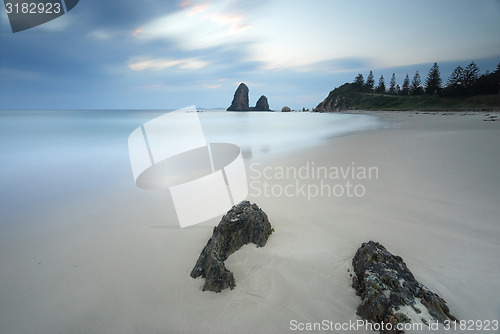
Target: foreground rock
389 292
240 99
262 104
245 223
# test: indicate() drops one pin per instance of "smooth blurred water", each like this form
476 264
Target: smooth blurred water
48 157
259 133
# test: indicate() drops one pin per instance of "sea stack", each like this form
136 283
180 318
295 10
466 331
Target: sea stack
262 104
240 100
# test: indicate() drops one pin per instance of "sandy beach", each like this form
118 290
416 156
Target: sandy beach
113 259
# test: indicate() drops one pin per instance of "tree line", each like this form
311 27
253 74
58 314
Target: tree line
462 82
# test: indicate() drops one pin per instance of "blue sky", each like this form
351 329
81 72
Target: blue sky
157 54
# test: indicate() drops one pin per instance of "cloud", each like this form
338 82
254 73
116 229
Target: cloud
101 35
185 3
214 86
199 26
223 19
249 84
193 10
276 42
159 64
338 65
192 64
303 42
10 75
156 85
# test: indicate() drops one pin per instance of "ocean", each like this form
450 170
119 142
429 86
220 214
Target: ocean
52 157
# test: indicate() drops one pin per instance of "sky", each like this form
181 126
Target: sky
158 54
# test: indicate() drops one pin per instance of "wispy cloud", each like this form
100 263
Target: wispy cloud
223 19
199 8
297 39
275 42
214 86
249 84
141 64
10 75
101 35
200 25
185 3
156 85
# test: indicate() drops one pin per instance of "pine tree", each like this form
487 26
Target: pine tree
370 82
359 81
392 87
470 76
455 84
456 79
433 81
405 90
381 86
398 90
416 88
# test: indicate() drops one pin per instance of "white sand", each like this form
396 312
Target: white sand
116 262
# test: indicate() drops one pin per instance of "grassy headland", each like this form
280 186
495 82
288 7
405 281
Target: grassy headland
348 97
466 89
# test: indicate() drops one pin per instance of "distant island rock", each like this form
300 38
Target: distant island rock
241 101
262 104
245 223
389 292
285 109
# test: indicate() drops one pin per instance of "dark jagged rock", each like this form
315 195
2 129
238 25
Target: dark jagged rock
261 105
240 100
389 292
245 223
